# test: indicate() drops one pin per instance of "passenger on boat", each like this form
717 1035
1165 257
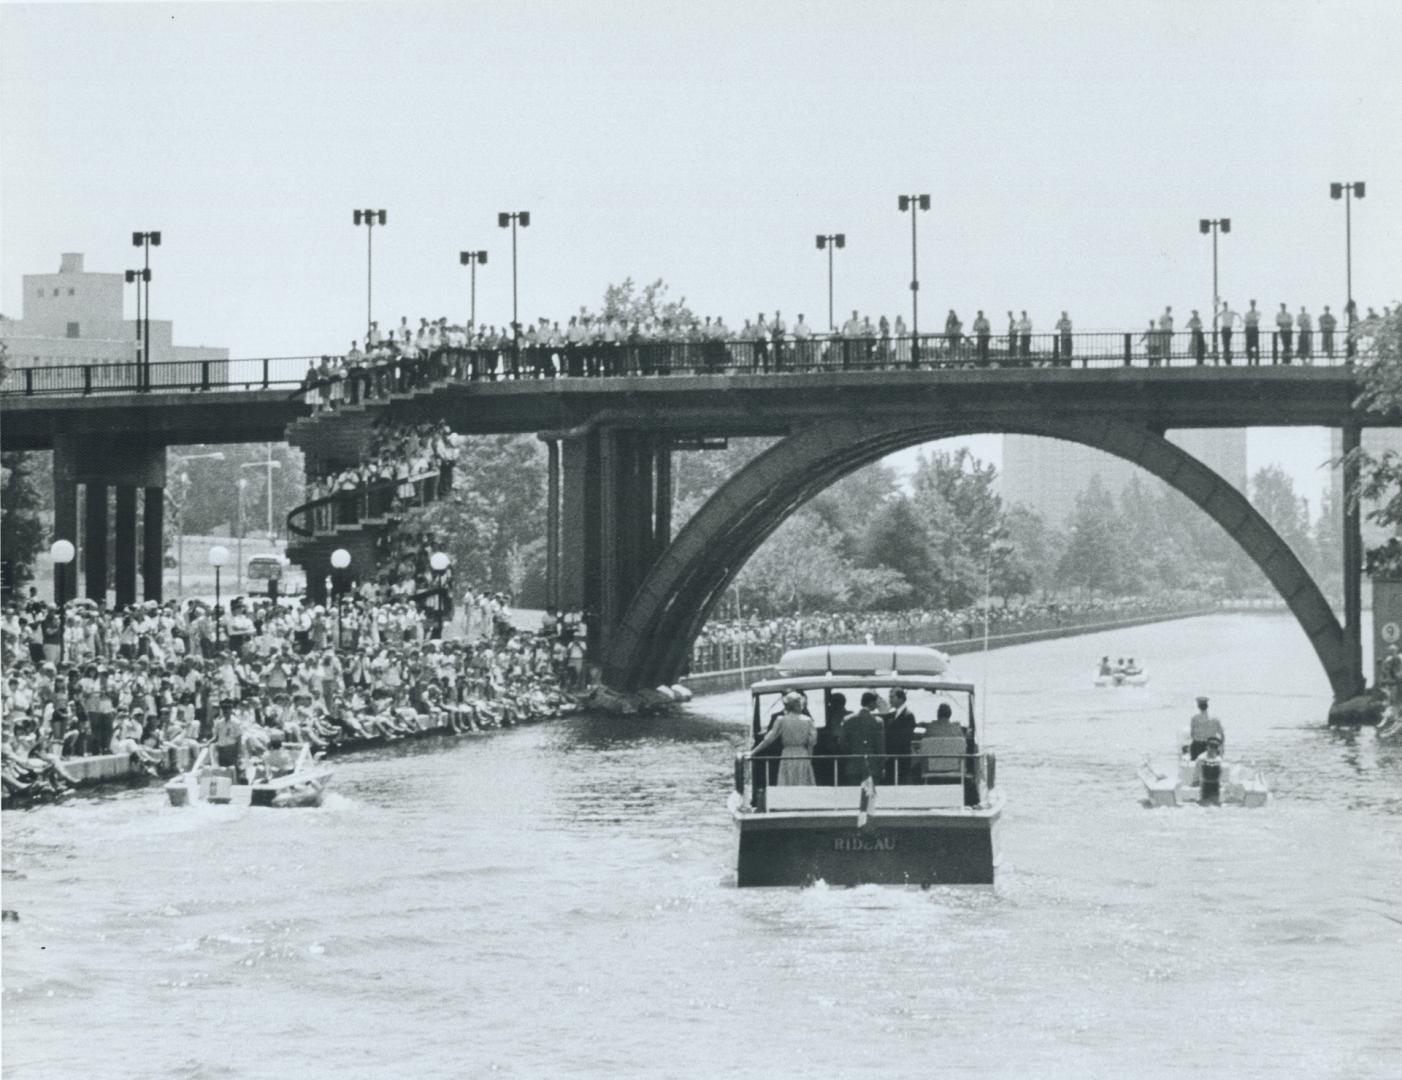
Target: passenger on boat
1105 668
795 733
863 741
1390 673
900 734
1202 727
276 761
1131 668
228 736
829 740
1207 773
1119 666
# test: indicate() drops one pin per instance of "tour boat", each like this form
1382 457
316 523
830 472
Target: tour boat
1138 677
1237 785
210 783
925 818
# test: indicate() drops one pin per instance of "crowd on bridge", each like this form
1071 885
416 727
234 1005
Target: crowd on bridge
404 358
757 641
152 678
397 452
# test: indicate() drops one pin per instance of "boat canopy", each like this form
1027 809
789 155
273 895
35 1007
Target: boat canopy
863 660
933 683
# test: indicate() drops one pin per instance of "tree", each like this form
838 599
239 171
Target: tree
1095 555
953 497
21 528
1273 495
631 304
800 565
895 539
1037 544
1380 476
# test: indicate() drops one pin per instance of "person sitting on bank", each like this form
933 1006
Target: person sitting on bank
1202 727
863 741
793 730
1207 773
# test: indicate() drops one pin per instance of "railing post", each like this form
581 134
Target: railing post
1275 347
1129 349
265 373
87 378
204 374
29 381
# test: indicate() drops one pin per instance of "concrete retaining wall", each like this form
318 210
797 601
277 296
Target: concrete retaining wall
720 682
111 768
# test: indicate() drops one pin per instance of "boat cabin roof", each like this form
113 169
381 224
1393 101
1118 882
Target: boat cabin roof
863 660
784 684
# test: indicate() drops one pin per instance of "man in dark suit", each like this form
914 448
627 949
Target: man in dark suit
900 733
864 741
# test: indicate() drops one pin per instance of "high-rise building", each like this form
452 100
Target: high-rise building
1046 475
76 317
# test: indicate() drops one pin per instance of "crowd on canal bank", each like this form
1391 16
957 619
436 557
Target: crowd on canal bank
154 678
755 641
401 358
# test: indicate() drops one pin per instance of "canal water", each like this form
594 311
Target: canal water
559 901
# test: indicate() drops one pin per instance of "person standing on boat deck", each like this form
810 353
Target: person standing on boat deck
828 743
794 732
900 734
1207 773
863 741
1202 727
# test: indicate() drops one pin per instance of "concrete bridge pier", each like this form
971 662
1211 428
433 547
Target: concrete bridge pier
1353 564
614 521
109 471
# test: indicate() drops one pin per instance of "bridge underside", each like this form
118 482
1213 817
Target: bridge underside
649 597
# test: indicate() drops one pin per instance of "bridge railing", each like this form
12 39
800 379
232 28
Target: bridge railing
373 379
172 376
368 502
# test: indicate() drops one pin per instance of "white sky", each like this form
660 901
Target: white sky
1069 147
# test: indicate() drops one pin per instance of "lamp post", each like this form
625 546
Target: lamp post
473 259
438 562
340 560
830 241
218 557
270 463
1214 226
238 569
369 218
62 552
1348 192
914 203
180 459
137 277
146 241
505 218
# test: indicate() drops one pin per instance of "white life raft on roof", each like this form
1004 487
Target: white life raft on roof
863 660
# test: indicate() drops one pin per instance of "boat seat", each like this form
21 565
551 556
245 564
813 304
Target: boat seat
943 756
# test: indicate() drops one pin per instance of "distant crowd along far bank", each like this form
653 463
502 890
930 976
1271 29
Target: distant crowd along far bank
608 345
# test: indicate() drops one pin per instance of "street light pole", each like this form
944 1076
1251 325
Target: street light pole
369 218
243 486
146 241
180 459
474 259
830 241
270 463
137 277
512 218
1213 226
914 203
1348 192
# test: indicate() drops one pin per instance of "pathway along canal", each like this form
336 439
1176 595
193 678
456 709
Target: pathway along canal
559 901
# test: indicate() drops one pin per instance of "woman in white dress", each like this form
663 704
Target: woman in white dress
797 736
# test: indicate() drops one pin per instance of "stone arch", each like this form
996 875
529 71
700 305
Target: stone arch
651 642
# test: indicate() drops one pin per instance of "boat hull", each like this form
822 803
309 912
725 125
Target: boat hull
898 848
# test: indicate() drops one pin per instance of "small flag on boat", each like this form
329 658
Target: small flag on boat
867 805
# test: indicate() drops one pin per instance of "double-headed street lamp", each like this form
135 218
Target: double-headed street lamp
830 241
1348 192
218 558
914 203
1214 226
146 241
475 259
369 218
137 277
505 218
270 463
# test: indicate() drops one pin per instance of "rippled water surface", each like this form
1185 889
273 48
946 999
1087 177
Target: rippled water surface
559 901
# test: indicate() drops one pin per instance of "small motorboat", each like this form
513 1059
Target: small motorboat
1122 677
210 783
1234 784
